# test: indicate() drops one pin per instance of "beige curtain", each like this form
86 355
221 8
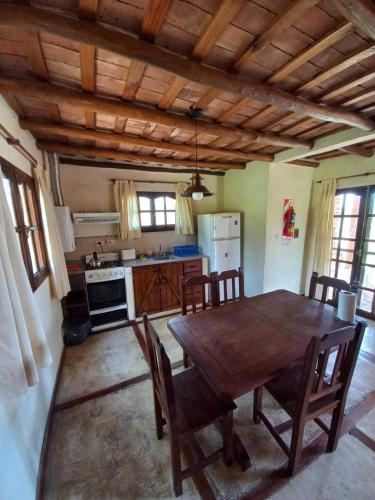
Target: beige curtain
184 213
319 230
59 274
127 205
23 346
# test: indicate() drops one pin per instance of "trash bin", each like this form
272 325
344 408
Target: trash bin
75 330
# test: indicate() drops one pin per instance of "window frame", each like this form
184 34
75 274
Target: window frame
16 176
153 228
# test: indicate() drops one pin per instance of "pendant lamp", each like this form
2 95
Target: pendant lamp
197 191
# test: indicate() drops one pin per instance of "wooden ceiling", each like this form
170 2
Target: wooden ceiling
114 79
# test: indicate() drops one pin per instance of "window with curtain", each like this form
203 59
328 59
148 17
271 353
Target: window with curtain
24 206
157 211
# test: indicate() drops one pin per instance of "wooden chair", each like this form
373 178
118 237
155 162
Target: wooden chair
327 282
232 276
304 393
186 404
193 292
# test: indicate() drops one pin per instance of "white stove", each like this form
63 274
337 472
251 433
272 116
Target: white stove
106 292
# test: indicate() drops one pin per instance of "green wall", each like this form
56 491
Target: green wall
245 191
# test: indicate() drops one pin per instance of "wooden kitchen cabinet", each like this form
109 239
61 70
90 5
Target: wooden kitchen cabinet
156 287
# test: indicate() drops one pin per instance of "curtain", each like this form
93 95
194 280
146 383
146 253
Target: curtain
59 274
319 230
184 213
23 346
127 205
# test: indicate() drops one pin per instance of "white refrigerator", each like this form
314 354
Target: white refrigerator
219 238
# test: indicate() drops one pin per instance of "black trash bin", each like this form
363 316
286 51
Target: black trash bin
75 330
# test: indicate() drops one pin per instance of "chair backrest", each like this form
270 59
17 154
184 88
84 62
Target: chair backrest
326 392
193 292
328 282
231 293
161 372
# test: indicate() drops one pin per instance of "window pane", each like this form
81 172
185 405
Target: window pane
336 227
159 203
369 258
170 203
160 218
144 203
344 271
371 209
334 253
8 195
145 219
339 198
346 255
368 277
171 218
365 300
31 205
370 246
349 227
352 202
37 236
26 219
370 232
335 243
30 244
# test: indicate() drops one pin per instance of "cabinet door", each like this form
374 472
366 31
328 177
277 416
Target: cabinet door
170 284
146 289
193 268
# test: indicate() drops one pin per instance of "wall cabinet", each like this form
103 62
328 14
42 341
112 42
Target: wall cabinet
156 287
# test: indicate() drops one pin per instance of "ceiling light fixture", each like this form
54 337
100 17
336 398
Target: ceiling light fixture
197 191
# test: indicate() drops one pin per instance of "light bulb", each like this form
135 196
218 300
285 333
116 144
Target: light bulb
197 196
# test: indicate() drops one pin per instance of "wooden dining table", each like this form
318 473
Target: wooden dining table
243 345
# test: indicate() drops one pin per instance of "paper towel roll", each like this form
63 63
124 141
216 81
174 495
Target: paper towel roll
346 306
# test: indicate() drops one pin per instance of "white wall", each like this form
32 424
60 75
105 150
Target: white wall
245 191
284 256
22 420
90 189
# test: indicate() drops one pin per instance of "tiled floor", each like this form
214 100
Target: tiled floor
105 448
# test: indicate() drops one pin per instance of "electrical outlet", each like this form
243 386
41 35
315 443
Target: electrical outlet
111 241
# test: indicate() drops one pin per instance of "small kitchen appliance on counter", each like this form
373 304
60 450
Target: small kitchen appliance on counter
128 254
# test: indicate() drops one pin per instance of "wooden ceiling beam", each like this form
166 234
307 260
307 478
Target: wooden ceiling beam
311 51
115 154
359 151
293 11
305 163
88 10
59 94
39 68
291 66
156 13
223 16
360 12
220 20
42 127
129 166
341 88
126 45
346 62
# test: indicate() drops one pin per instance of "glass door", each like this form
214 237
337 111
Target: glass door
353 247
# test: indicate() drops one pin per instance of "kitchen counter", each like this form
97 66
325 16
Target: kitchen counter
151 261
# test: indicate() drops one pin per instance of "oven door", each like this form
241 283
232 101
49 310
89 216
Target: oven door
106 294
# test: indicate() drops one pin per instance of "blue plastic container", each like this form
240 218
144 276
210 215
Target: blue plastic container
185 250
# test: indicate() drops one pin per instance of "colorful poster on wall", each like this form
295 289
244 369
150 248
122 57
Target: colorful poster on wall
289 218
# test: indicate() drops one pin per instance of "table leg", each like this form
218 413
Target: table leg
240 454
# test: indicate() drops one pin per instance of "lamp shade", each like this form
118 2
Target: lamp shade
196 187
